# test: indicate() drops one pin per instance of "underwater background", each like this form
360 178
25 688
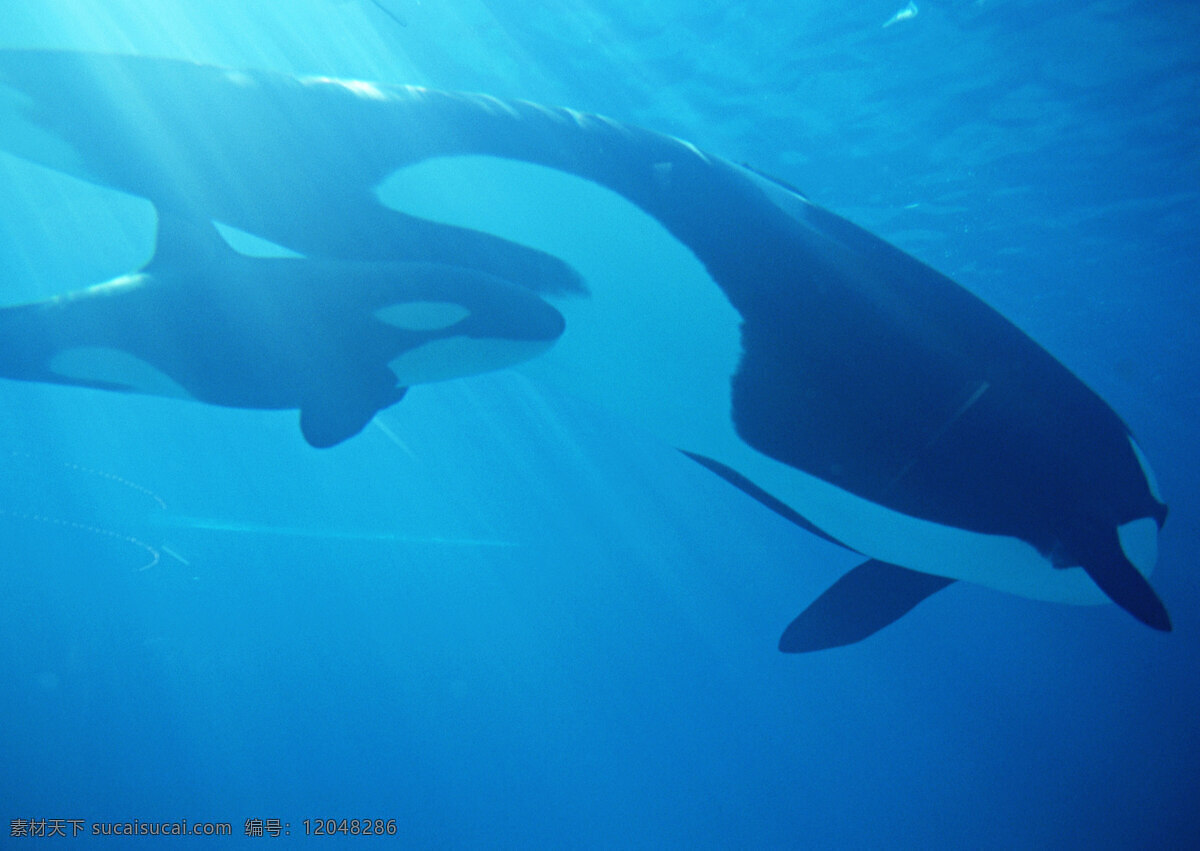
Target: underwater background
505 619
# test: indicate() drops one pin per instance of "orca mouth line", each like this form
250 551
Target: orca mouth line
400 21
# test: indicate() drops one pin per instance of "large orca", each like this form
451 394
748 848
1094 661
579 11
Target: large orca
337 340
840 382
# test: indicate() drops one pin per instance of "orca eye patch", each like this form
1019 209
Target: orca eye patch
422 315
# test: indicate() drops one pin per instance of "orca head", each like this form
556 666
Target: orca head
1119 550
455 322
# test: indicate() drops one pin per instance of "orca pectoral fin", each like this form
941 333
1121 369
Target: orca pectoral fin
337 414
1124 584
759 495
858 605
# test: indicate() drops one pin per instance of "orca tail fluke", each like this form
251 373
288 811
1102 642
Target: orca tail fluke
858 605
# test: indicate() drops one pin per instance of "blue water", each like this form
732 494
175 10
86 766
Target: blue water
506 620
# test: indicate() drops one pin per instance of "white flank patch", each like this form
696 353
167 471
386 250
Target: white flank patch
99 365
657 341
422 315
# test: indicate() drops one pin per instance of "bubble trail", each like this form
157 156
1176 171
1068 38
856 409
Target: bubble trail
153 553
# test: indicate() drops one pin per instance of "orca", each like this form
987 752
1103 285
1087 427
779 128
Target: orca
840 382
291 160
337 340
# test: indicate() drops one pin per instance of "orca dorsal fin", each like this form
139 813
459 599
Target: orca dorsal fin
184 241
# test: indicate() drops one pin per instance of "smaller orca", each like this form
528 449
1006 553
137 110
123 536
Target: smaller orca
338 340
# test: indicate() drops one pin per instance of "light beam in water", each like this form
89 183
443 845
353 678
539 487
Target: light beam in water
242 527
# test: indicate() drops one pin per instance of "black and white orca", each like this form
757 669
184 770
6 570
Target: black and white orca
337 340
837 380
